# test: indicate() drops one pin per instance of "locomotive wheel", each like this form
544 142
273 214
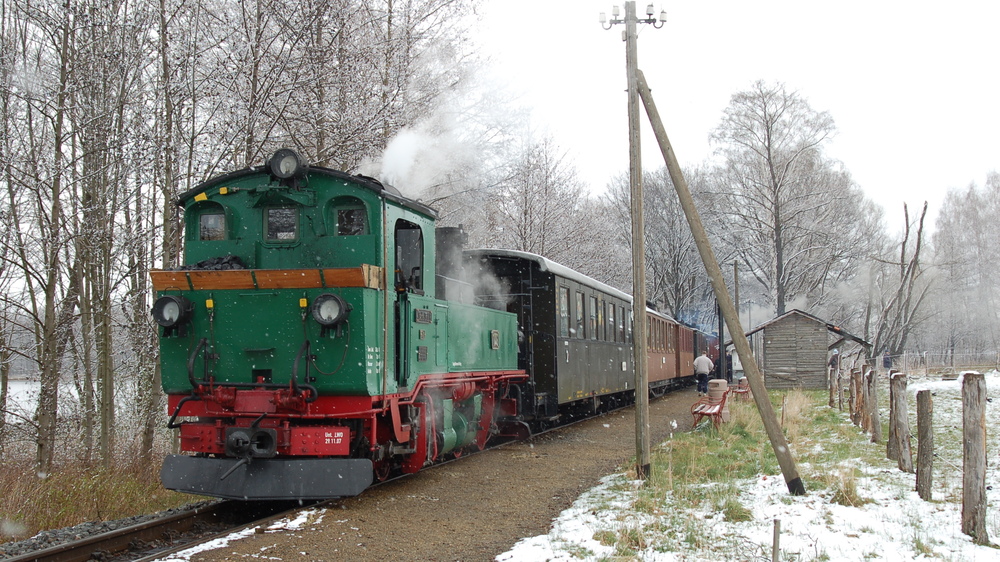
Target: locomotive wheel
381 470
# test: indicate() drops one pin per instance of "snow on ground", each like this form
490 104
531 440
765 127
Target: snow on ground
304 517
894 525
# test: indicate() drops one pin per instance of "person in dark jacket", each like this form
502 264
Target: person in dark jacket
887 361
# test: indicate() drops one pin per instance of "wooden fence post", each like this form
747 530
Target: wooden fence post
900 422
874 419
832 382
853 398
892 444
864 401
974 457
840 390
925 444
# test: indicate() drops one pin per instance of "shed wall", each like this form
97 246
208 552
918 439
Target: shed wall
795 354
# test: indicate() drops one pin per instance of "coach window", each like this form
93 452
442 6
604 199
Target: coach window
629 325
564 312
579 315
612 328
282 224
593 318
601 327
621 325
409 257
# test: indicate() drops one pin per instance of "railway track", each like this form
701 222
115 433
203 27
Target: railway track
158 537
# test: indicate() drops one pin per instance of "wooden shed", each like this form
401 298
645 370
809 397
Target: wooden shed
793 349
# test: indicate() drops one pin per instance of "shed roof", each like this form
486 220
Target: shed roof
844 335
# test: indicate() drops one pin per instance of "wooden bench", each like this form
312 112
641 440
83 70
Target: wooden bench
709 407
742 389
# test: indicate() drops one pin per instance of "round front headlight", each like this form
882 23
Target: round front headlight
172 310
329 310
285 163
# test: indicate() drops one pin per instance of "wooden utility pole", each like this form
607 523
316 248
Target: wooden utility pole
736 287
638 251
760 396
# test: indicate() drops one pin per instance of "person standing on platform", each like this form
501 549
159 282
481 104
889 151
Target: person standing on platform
702 367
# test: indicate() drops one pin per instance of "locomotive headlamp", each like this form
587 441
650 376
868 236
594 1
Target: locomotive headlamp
171 310
329 310
286 163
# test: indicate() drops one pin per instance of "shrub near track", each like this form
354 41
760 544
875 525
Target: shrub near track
75 494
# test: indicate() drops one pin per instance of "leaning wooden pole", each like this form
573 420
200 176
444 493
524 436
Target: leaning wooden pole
760 396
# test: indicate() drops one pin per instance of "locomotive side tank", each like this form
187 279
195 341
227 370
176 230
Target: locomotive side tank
304 348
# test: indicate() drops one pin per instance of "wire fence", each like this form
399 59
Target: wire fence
940 361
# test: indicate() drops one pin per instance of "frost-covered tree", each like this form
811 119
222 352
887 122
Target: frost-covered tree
795 219
966 250
534 209
675 275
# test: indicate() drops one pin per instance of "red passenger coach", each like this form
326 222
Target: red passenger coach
670 357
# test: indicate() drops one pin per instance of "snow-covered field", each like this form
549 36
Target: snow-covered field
894 524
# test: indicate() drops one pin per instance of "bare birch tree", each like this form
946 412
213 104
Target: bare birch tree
794 214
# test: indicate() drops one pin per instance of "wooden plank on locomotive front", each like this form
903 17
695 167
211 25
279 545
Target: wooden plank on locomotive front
169 280
288 278
227 279
366 276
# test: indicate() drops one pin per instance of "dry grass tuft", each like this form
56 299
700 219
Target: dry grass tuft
74 494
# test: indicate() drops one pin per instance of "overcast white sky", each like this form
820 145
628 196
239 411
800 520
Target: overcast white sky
912 86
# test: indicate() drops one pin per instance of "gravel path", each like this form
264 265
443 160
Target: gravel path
473 509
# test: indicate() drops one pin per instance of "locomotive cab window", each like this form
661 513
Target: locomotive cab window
212 226
350 217
409 257
282 224
207 222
